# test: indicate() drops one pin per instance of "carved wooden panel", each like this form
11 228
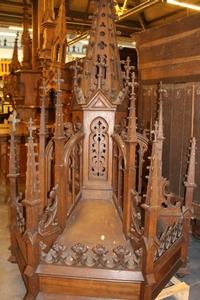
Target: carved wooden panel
98 141
181 107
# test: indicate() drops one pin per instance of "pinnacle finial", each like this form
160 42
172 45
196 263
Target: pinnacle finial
102 68
31 128
13 120
190 182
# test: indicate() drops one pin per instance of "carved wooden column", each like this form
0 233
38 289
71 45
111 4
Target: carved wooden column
13 176
129 172
35 33
190 186
42 144
151 207
32 204
59 140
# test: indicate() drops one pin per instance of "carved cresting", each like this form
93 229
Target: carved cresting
99 149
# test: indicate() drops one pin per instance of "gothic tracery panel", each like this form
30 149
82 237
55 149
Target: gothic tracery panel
98 159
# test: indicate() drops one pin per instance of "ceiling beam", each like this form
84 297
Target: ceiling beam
138 9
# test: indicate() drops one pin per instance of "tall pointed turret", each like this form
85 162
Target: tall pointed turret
154 188
42 143
190 182
102 68
159 125
32 175
15 64
49 10
26 40
60 42
59 126
131 133
129 171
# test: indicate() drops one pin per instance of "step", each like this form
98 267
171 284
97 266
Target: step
89 282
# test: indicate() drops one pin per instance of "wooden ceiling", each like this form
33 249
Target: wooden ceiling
144 14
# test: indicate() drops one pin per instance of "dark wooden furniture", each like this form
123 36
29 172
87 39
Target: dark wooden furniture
90 223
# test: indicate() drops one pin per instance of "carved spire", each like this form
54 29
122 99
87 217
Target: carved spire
60 42
102 69
13 167
131 134
32 176
61 29
154 187
42 113
159 125
26 40
42 135
15 64
190 182
49 11
59 126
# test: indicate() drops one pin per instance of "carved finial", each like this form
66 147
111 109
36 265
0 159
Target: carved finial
161 92
158 132
128 70
49 11
190 182
131 134
43 89
32 175
13 162
31 128
76 68
26 40
60 42
154 187
13 120
59 80
15 64
61 21
102 69
59 125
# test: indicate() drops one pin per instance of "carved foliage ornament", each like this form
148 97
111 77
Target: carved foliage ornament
48 221
99 256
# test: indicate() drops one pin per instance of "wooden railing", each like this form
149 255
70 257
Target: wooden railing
119 165
119 162
73 170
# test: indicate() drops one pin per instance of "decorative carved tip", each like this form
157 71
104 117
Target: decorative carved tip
154 188
13 120
102 64
131 133
31 128
161 92
61 29
59 125
190 182
59 81
43 89
15 64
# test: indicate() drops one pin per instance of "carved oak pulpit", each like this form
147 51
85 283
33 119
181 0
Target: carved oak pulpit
91 223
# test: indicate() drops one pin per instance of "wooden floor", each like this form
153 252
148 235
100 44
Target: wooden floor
94 222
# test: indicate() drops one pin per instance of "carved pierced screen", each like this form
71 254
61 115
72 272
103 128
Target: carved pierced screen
98 154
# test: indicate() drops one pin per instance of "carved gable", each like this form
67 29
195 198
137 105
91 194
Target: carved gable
100 102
